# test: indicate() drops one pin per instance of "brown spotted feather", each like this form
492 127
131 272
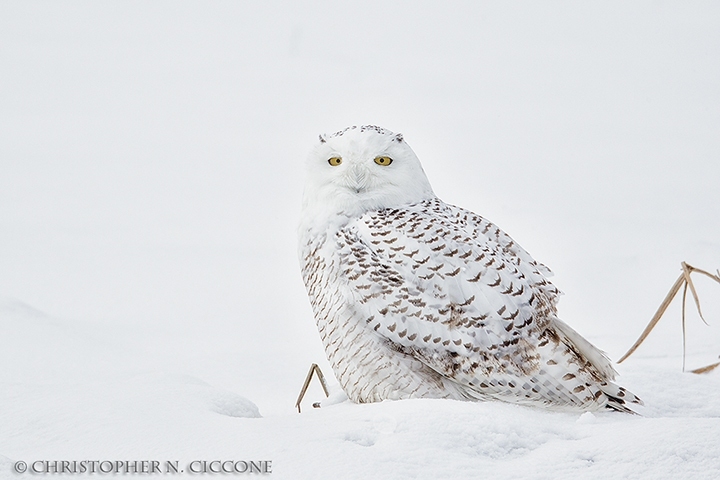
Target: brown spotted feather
431 300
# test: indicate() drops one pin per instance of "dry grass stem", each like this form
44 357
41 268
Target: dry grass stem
706 369
684 335
684 281
656 318
314 369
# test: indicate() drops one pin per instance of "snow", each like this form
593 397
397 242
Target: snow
151 306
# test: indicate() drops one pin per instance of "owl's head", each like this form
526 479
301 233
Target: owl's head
360 169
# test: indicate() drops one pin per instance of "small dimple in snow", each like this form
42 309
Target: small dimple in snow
362 437
374 428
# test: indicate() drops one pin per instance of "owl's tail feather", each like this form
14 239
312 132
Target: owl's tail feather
619 397
596 356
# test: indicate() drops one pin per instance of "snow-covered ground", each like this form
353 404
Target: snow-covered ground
151 306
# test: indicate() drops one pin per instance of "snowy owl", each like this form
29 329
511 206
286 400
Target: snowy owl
417 298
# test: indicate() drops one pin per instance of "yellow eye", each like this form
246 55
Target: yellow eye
335 161
384 161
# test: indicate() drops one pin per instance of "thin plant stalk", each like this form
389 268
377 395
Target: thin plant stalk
684 281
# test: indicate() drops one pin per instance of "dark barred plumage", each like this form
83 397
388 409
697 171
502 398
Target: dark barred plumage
430 300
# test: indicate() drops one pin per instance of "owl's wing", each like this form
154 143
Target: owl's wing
452 290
